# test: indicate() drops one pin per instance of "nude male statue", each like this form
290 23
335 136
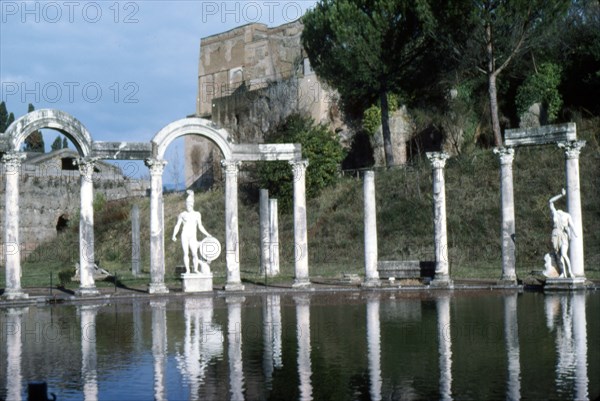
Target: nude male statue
191 221
561 234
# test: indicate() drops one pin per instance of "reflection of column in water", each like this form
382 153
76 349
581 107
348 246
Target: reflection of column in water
14 346
445 347
303 335
374 347
138 339
203 341
88 351
580 337
565 363
511 337
234 340
159 346
271 336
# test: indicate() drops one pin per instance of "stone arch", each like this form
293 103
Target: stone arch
191 126
54 119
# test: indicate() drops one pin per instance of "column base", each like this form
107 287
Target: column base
565 284
234 287
87 292
507 281
10 293
441 281
301 283
371 283
157 288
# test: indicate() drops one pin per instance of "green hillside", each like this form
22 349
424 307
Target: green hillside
335 221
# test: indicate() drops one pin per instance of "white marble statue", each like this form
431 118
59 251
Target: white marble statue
561 234
191 221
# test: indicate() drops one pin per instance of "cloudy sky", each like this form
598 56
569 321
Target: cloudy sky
125 69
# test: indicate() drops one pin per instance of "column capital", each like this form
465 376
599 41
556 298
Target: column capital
298 168
86 166
156 166
12 161
506 155
572 148
438 159
231 166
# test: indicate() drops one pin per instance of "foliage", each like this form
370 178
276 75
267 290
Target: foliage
541 87
34 141
487 35
372 116
319 146
65 143
365 48
57 144
99 202
3 117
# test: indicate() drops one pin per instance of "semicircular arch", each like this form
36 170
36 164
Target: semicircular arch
191 126
53 119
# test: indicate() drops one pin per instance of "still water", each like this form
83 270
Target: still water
345 346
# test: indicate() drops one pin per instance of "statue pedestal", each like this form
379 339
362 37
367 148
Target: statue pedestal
564 284
197 282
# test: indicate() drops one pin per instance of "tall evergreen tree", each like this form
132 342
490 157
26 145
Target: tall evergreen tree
65 143
3 117
365 48
35 141
57 144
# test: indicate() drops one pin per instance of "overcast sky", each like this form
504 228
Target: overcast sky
125 69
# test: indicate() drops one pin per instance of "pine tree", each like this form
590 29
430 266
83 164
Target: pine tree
57 144
65 143
35 141
3 117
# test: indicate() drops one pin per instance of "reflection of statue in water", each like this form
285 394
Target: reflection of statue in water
191 221
561 234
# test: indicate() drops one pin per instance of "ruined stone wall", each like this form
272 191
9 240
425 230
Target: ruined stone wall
44 199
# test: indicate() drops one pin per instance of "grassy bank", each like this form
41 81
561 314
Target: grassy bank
335 222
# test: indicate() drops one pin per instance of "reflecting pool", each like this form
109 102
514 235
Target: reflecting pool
334 346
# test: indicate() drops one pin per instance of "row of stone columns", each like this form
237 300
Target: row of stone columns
232 252
12 252
506 157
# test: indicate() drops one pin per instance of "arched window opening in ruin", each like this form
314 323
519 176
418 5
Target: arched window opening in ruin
62 223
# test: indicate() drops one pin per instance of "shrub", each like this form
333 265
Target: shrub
541 87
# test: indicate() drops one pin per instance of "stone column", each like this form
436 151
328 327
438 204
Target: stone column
11 327
157 227
442 277
303 335
374 347
87 262
159 347
273 238
370 216
445 347
89 372
511 337
300 225
232 241
265 259
234 352
572 150
12 245
136 249
506 156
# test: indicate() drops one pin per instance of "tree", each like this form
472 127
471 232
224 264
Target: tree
57 144
65 143
319 145
364 48
487 35
34 141
3 117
